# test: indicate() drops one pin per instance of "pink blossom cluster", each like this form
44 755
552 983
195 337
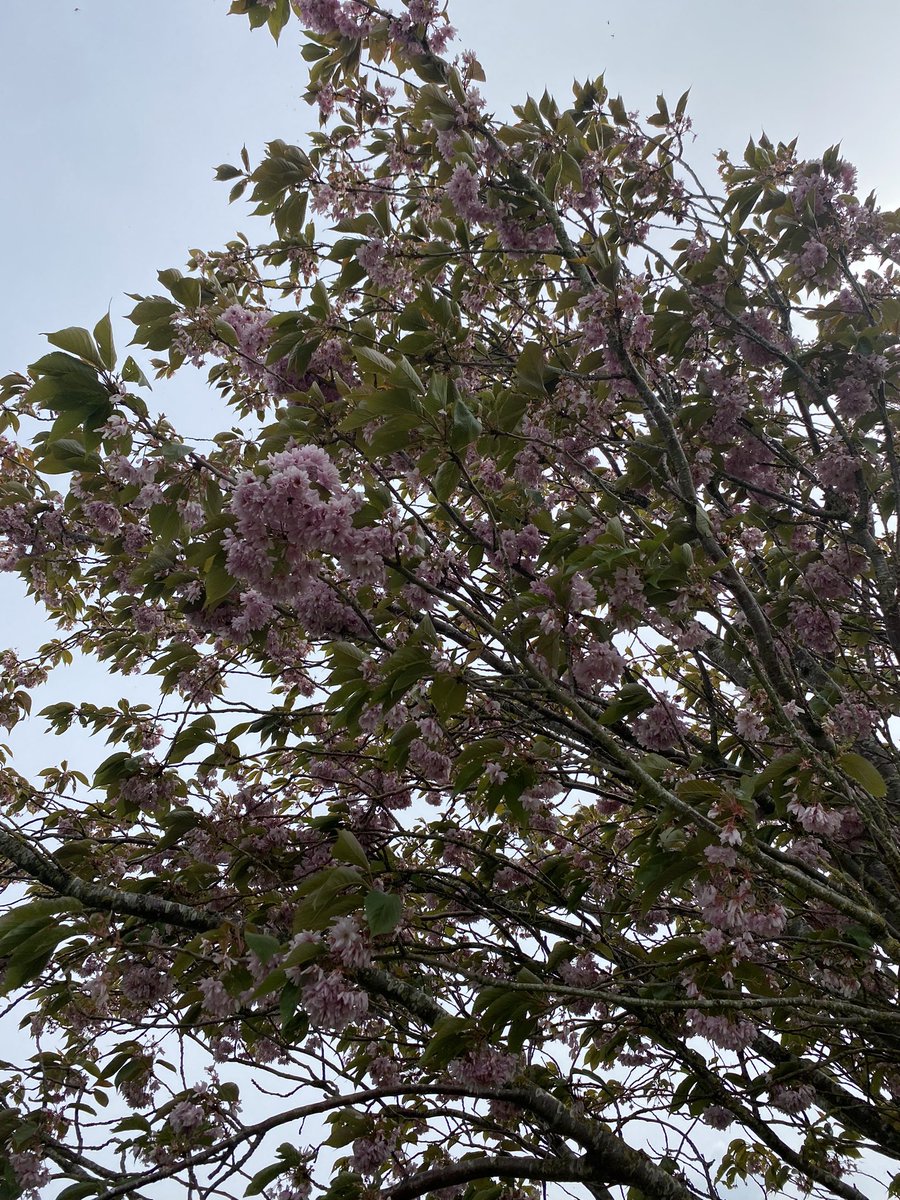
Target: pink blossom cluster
217 1003
187 1116
793 1099
827 579
763 325
840 229
735 909
381 265
582 594
144 986
815 187
600 664
813 261
464 193
815 818
104 518
814 626
626 596
484 1067
857 388
717 1117
849 721
609 319
403 31
331 1001
582 972
370 1153
326 17
660 727
287 516
731 1033
348 944
30 1171
253 332
837 469
147 789
750 725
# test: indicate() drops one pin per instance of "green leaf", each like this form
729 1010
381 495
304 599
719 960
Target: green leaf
263 945
303 953
263 1178
77 341
383 911
448 694
445 480
863 772
118 766
25 920
369 360
629 700
776 769
465 426
104 339
452 1037
188 740
77 1191
218 584
132 373
30 957
530 370
347 849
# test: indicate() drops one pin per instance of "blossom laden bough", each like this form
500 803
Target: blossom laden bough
519 794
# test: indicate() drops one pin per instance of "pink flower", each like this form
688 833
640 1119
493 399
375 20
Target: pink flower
730 1033
794 1099
813 258
462 191
850 721
484 1068
661 727
581 594
717 1117
216 1001
369 1153
186 1116
816 628
495 773
602 664
105 518
750 725
837 469
29 1170
144 985
815 818
713 940
332 1003
348 943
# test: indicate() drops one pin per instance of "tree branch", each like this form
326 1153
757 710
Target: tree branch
576 1170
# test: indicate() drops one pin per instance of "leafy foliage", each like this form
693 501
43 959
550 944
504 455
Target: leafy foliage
522 792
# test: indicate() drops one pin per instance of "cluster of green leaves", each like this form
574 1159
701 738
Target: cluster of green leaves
613 444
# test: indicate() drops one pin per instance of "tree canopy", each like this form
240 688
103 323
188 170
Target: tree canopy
520 808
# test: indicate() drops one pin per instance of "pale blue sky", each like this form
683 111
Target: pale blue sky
117 111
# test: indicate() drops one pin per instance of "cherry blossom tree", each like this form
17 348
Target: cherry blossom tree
520 807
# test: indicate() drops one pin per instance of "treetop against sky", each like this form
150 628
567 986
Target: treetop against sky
518 793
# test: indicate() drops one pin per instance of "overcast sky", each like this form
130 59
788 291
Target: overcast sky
117 111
